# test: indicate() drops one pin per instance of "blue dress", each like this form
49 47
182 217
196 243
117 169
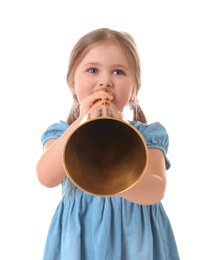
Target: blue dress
87 227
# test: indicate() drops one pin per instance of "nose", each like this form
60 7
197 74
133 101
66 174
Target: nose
105 81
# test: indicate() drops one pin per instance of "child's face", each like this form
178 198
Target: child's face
104 66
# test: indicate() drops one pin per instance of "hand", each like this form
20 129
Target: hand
104 109
95 101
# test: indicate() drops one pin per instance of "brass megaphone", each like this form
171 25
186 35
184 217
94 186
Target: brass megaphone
105 156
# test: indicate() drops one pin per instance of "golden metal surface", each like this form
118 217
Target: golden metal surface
105 156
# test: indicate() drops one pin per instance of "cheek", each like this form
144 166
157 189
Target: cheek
122 98
82 89
81 94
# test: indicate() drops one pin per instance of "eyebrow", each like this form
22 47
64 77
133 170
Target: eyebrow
96 64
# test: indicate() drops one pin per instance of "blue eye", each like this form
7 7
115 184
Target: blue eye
118 72
92 70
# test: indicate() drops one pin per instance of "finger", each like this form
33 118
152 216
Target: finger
102 95
101 109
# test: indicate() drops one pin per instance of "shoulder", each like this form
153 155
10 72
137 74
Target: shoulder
155 135
54 131
152 132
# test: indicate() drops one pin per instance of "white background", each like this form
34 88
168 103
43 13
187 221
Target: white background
36 38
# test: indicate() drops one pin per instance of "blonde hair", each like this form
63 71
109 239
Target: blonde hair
127 43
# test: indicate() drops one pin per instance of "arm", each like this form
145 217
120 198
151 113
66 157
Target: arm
151 187
50 168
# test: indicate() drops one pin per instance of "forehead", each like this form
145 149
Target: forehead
106 50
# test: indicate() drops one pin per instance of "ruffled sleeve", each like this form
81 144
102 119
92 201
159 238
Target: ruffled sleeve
54 131
155 136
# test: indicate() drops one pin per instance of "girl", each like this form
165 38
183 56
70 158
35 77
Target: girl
104 67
